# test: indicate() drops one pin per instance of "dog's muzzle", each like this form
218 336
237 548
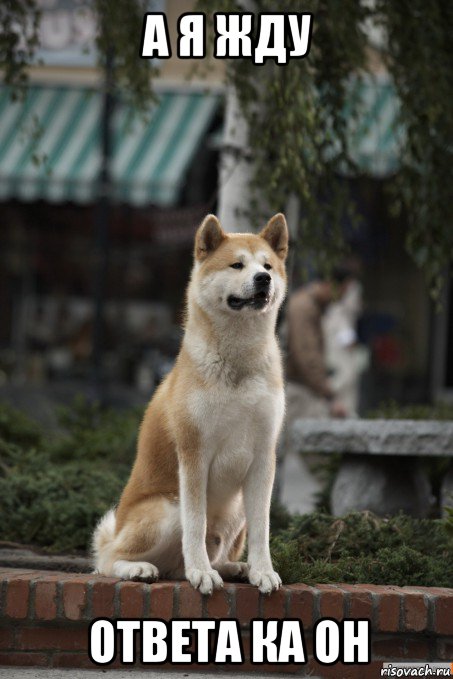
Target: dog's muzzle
260 298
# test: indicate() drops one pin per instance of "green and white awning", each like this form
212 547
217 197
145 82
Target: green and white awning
50 145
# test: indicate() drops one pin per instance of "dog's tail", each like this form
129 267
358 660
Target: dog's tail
102 542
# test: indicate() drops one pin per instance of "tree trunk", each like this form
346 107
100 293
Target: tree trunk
236 169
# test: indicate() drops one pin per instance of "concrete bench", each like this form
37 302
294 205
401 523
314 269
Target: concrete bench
380 470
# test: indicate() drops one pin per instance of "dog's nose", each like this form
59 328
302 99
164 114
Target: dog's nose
262 279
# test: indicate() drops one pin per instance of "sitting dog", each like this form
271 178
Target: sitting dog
206 451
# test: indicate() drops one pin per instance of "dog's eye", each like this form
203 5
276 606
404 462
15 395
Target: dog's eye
237 265
268 267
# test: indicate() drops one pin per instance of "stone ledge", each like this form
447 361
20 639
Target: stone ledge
374 437
44 615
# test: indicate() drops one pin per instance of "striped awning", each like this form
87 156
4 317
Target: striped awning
50 145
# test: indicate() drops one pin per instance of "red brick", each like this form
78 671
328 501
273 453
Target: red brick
46 600
53 576
444 649
283 668
218 604
6 637
338 670
161 604
444 615
417 649
360 601
273 605
132 600
189 601
24 659
41 638
389 648
249 667
415 612
301 604
74 599
247 603
308 644
431 591
103 594
17 596
79 660
331 602
7 572
388 613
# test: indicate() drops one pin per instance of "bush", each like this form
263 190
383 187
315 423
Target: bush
391 410
361 547
54 489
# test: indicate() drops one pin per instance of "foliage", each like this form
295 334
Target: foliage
303 106
363 548
18 18
420 59
119 30
54 506
297 119
392 410
17 428
54 488
119 27
97 434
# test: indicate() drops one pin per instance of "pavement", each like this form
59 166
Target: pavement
44 673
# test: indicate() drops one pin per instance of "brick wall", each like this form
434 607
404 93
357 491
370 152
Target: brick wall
44 616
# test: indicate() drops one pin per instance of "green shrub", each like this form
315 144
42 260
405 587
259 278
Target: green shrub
15 427
361 547
90 432
53 490
392 410
54 506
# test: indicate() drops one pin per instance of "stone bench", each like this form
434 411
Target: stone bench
380 470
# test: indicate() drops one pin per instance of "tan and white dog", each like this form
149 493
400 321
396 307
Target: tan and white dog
206 451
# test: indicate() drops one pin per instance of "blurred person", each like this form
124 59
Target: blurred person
309 391
346 359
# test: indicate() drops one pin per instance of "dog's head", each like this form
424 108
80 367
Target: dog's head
240 273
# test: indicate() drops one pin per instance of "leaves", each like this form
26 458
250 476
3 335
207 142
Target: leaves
19 38
297 113
362 548
54 488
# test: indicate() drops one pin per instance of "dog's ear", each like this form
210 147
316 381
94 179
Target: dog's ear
276 234
208 238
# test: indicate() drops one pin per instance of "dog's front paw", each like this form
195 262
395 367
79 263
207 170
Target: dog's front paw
266 580
204 580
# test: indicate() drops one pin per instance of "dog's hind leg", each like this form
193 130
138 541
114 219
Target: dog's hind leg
147 541
232 569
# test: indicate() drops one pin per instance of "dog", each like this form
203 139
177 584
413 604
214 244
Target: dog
205 463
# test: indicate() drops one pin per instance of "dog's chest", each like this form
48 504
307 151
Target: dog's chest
224 413
234 423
